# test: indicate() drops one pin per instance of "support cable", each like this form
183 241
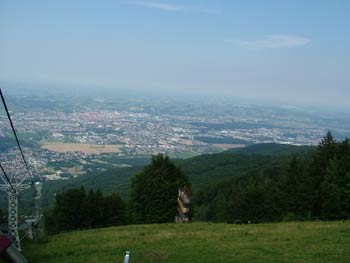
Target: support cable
7 178
14 132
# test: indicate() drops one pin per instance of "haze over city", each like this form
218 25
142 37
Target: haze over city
292 51
174 131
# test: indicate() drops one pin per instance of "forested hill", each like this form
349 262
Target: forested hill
203 170
113 181
272 149
302 186
227 186
208 169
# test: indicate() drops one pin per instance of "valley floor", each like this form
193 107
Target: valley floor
200 243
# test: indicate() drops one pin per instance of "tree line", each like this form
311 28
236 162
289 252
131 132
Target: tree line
309 185
153 199
294 187
78 209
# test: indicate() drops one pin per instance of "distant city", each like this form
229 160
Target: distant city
66 135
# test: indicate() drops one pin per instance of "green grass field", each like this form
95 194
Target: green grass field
200 243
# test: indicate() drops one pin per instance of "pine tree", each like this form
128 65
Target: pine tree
331 191
318 169
154 191
295 190
74 209
68 209
114 210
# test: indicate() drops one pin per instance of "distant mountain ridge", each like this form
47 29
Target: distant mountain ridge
271 149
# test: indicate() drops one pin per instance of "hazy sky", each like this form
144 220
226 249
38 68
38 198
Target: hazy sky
297 51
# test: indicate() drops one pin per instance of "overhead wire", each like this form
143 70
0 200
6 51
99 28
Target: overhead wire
7 178
16 137
24 160
20 149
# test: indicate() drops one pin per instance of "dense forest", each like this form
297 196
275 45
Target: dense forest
202 170
310 184
265 183
77 209
116 180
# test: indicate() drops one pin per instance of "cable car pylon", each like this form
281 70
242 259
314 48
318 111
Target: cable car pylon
13 183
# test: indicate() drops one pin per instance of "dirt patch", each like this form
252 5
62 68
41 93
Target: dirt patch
227 146
81 147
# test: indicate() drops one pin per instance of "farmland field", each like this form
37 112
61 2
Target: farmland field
81 147
227 146
200 243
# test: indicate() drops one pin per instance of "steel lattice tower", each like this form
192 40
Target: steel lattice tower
13 190
14 181
13 211
13 217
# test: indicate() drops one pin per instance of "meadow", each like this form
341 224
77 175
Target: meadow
199 243
87 148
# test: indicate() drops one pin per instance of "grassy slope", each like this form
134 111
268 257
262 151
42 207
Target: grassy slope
200 242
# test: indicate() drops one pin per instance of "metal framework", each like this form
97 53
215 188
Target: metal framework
13 210
13 187
13 182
